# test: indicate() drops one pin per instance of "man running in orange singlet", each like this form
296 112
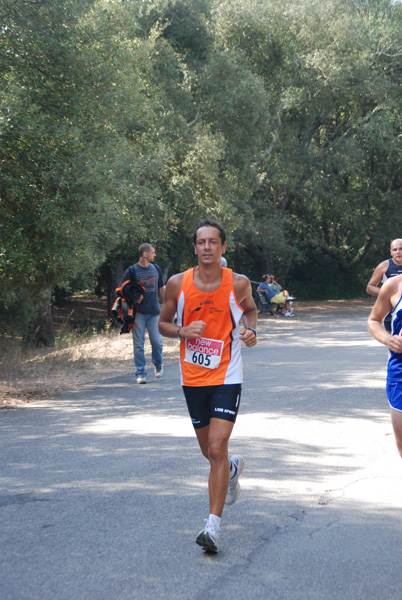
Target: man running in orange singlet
210 301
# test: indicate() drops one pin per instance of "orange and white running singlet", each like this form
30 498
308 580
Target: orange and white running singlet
214 358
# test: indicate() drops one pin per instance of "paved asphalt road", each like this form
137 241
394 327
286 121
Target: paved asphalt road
102 492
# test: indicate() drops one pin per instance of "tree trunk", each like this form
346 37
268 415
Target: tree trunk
43 330
262 260
114 273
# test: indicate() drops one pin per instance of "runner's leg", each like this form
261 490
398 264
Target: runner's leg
156 340
202 436
139 340
218 439
396 417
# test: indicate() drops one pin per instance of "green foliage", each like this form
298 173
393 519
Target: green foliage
329 174
187 28
128 121
321 279
66 143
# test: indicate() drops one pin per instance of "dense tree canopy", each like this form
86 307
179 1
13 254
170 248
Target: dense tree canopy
126 121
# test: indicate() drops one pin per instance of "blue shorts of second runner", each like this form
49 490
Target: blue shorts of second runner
394 393
212 402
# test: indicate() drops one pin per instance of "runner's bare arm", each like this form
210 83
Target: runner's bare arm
167 326
372 286
242 289
389 295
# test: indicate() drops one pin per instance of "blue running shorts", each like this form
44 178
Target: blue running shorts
394 393
212 402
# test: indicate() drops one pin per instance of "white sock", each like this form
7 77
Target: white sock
214 521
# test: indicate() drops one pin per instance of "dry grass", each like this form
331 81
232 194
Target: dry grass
28 375
47 373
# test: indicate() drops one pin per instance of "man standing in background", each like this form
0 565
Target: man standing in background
386 269
150 277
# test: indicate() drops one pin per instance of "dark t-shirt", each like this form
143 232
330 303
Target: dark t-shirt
151 279
393 269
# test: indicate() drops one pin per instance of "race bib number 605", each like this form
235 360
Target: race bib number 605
204 352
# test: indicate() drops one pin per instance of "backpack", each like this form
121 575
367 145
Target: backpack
125 306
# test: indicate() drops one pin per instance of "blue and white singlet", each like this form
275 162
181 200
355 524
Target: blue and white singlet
394 374
395 358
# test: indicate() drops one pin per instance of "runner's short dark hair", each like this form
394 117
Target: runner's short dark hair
207 222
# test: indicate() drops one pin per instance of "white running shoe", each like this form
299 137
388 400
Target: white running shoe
141 379
236 469
289 314
159 372
208 538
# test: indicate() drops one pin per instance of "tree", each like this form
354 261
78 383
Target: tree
73 140
329 167
127 121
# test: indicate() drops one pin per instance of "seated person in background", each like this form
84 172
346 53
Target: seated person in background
278 288
273 296
275 285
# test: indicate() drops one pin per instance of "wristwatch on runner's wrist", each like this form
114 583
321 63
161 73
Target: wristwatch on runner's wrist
253 330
